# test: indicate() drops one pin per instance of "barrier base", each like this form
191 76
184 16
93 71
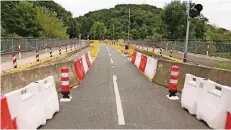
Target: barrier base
172 97
66 99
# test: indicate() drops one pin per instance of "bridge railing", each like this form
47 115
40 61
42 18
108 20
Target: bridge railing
194 46
10 45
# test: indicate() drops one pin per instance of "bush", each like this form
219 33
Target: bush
224 66
223 55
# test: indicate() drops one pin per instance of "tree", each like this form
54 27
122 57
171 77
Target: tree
50 25
99 30
19 18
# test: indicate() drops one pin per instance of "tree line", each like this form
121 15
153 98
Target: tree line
49 19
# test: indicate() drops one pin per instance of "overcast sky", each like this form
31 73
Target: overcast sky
217 11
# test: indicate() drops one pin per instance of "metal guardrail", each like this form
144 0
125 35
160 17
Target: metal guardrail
10 45
194 46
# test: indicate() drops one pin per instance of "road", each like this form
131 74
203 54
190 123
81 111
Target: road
113 86
197 58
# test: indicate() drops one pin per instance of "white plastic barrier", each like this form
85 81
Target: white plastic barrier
150 69
193 87
26 105
138 58
49 96
89 55
85 67
213 104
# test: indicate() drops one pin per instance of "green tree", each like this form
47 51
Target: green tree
50 25
99 29
19 18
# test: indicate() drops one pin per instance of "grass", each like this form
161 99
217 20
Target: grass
224 55
224 66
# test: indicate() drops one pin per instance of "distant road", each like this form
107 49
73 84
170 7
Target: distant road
197 58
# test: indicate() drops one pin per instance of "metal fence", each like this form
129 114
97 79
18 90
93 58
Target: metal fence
10 45
194 46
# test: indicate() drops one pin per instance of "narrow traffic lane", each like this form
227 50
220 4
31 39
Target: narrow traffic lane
145 104
114 94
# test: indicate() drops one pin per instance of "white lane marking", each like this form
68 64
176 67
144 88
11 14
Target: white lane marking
109 54
120 112
112 61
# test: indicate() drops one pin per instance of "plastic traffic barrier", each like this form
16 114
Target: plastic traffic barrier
133 59
138 58
190 93
150 69
6 121
85 67
87 60
79 70
49 96
213 104
27 106
90 58
143 63
228 121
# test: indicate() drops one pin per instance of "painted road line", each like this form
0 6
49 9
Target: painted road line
120 113
112 61
109 54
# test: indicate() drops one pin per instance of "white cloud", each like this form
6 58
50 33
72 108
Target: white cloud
217 11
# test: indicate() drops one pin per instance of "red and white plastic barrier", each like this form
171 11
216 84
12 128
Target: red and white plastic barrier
190 93
31 106
82 65
65 84
145 64
173 85
213 103
210 101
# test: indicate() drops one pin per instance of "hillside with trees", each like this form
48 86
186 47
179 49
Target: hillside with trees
49 19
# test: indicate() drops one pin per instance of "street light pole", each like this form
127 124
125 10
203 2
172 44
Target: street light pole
113 31
129 25
187 32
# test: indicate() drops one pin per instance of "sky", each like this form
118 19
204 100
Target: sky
217 11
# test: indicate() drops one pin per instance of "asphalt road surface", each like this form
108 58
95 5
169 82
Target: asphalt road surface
116 95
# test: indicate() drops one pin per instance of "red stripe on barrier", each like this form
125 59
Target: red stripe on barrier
175 68
64 70
228 121
64 78
6 121
174 77
143 63
87 60
65 88
79 70
133 57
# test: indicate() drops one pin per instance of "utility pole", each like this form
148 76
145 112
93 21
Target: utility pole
113 31
187 33
128 24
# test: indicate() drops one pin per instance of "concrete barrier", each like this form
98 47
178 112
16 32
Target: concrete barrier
17 80
162 75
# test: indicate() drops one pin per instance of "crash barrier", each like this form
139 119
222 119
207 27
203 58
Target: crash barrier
31 106
82 65
19 79
25 66
210 101
157 55
6 121
220 76
147 65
